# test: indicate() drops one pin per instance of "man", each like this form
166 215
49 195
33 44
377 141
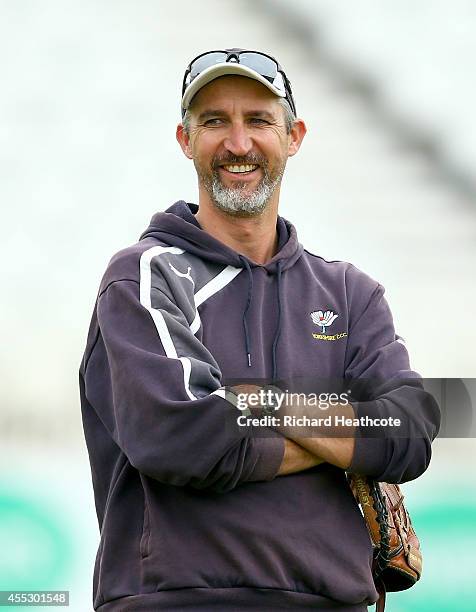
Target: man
200 508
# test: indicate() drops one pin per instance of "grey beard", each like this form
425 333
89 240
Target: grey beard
236 200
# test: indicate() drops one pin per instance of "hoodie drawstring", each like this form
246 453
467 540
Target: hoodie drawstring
277 333
247 307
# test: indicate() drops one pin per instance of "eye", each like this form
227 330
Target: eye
259 121
213 122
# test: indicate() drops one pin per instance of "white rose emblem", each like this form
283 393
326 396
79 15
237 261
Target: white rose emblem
323 319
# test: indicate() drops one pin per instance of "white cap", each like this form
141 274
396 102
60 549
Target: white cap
225 68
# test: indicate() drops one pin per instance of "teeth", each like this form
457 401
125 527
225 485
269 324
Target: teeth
247 168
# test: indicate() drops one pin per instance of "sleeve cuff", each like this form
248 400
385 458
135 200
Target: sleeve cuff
369 457
270 453
371 445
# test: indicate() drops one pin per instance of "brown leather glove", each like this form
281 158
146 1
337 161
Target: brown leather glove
397 556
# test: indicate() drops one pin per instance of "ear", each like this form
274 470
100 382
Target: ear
298 131
184 140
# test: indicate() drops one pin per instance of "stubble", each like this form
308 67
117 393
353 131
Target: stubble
238 200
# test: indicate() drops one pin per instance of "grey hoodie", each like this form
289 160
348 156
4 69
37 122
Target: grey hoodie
191 511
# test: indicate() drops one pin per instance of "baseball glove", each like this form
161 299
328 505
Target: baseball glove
397 560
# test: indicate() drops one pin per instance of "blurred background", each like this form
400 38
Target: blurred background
385 179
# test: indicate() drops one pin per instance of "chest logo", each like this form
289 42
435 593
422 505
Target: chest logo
325 319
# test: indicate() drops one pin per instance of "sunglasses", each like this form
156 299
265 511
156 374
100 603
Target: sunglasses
263 64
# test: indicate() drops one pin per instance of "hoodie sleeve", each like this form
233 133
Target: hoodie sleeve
167 412
377 358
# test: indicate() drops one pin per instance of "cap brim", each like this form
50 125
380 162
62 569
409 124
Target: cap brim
213 72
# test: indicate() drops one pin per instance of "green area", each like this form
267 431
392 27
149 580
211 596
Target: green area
36 550
448 538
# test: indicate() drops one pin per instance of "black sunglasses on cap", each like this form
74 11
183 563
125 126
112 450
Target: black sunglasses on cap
253 64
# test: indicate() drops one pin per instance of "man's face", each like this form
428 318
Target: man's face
238 143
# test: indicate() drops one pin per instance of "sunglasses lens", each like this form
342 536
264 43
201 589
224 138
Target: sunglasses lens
261 64
205 61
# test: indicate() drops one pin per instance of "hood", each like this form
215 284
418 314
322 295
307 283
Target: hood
177 226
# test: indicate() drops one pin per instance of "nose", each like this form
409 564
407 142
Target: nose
238 140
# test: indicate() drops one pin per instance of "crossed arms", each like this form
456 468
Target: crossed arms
303 452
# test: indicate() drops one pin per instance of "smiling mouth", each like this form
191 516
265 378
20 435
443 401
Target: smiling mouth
240 169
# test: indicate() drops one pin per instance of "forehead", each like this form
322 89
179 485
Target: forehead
234 93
